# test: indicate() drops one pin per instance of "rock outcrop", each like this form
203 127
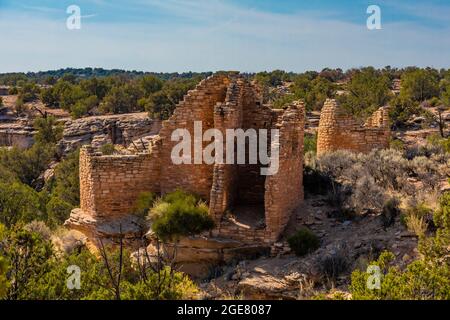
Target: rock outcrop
16 134
121 129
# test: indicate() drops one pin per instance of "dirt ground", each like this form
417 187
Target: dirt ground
353 243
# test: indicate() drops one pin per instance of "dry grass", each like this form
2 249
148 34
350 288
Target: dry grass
416 224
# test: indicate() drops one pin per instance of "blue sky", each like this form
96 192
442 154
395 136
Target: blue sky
210 35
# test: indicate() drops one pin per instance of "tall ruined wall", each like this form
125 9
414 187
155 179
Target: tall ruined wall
242 183
227 115
281 193
198 105
255 116
338 130
284 190
110 185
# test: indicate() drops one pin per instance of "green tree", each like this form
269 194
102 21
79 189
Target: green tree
368 90
49 131
30 258
82 107
402 109
19 106
122 99
4 283
162 103
420 84
49 98
271 79
63 190
3 280
313 92
28 91
18 203
95 87
66 179
71 95
28 165
150 85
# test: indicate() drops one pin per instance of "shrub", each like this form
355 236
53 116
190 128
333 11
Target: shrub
397 144
390 211
108 149
442 215
3 280
417 218
18 203
180 214
13 90
304 241
66 241
58 211
388 168
335 163
367 195
446 145
310 143
48 130
19 106
39 228
426 170
337 198
334 264
30 258
144 203
66 184
416 225
420 281
425 279
174 286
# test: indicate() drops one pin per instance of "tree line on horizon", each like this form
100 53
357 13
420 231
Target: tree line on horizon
361 91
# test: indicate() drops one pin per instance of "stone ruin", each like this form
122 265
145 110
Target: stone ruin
250 210
339 130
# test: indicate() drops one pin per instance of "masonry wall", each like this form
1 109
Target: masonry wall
110 185
284 190
233 184
198 105
338 130
251 184
227 115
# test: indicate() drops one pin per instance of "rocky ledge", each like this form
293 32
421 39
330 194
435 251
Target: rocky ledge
100 130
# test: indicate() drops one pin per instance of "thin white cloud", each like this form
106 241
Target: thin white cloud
227 37
42 9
